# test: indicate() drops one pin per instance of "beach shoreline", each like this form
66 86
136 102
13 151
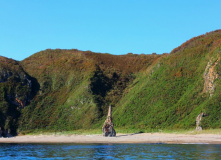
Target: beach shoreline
120 138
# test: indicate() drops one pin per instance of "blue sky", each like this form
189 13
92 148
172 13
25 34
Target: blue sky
106 26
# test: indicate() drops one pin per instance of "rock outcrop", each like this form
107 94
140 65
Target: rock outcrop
198 121
210 75
16 83
108 127
17 89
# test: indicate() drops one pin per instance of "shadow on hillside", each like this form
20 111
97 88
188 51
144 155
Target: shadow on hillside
35 87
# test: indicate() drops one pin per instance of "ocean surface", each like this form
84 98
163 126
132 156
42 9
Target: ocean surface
110 151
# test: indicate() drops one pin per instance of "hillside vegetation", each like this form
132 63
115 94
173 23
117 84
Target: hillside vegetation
65 90
171 93
76 87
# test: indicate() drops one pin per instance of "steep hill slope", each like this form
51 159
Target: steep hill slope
180 86
17 88
76 87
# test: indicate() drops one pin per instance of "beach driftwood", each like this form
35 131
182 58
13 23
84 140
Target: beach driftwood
108 127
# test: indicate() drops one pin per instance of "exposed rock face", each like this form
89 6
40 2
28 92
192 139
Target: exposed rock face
20 98
17 90
4 75
18 86
108 127
198 120
209 76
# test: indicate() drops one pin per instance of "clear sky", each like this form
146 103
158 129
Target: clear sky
106 26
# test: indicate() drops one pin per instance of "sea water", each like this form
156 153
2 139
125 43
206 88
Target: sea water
110 151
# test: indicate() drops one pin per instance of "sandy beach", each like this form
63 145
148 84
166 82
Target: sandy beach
120 138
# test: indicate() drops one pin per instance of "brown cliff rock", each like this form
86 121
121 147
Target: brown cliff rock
108 127
210 75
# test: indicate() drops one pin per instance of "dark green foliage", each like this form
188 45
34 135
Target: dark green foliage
17 89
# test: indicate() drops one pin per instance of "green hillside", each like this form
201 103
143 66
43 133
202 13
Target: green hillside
76 87
65 90
171 93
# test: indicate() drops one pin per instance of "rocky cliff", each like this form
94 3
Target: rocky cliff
17 90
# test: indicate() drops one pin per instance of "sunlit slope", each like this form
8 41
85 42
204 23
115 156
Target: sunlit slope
174 91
